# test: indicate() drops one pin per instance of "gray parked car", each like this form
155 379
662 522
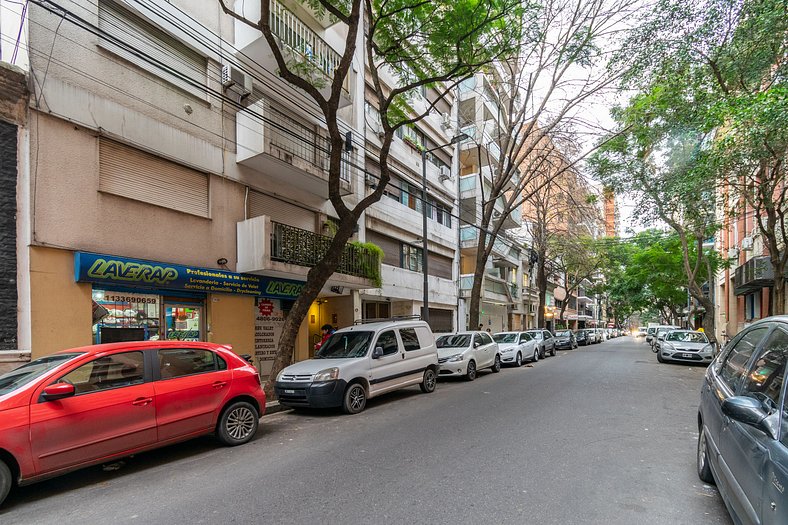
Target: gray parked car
544 341
743 424
685 345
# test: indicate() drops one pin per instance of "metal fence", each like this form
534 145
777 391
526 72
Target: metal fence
305 248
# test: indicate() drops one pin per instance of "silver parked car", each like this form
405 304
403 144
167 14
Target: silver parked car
685 345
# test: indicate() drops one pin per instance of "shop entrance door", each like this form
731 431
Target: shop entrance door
183 322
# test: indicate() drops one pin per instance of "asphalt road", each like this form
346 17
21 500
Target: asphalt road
600 435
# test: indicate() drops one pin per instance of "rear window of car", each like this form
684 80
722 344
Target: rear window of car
454 341
563 333
409 339
180 362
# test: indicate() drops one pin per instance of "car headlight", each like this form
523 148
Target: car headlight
507 350
455 358
666 346
279 375
708 349
329 374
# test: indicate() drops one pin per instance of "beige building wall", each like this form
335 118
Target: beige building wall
61 309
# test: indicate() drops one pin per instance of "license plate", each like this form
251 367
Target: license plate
289 391
686 355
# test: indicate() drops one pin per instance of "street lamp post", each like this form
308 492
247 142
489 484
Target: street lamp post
424 253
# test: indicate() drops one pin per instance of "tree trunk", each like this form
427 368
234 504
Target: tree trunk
474 310
315 280
778 291
708 314
541 285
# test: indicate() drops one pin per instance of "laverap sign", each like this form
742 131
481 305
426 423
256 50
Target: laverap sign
137 273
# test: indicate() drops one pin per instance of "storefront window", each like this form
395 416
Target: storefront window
183 322
125 316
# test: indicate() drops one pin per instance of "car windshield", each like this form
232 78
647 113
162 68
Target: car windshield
563 333
651 330
505 338
687 337
454 341
23 375
345 345
535 335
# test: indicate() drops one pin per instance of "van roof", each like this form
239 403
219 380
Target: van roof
380 325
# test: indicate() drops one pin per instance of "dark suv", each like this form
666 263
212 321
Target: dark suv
743 424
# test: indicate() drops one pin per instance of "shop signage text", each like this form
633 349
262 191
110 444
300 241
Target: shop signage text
122 271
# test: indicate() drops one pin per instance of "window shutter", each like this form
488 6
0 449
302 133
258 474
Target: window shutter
172 60
279 211
137 175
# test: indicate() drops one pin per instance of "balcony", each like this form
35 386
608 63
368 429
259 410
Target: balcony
480 138
471 189
753 275
303 49
287 150
276 249
494 289
504 252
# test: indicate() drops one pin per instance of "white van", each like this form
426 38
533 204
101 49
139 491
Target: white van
361 362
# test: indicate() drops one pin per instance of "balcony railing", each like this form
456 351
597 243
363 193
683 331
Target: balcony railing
303 142
296 36
753 275
293 245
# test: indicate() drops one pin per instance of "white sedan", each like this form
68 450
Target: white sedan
517 347
466 353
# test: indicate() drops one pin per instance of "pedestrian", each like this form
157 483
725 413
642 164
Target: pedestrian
489 331
481 327
327 330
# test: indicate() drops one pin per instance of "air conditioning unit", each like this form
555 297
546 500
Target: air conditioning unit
235 80
733 253
446 121
371 181
445 173
746 244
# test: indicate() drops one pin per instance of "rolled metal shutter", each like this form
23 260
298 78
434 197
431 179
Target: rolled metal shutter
279 211
137 175
172 60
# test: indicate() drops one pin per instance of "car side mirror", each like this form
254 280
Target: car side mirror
58 391
748 411
377 353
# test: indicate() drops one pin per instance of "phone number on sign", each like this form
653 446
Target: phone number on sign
130 299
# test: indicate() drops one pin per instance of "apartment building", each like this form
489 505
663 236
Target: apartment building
396 222
170 185
743 291
481 120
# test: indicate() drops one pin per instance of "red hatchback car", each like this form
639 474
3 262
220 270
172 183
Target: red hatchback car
98 403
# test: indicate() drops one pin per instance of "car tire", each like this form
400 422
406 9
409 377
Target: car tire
704 469
518 361
470 372
496 367
355 399
659 357
535 357
542 353
237 424
552 352
429 382
6 481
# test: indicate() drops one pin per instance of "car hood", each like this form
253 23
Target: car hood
448 352
312 366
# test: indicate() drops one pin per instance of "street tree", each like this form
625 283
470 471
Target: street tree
423 43
542 95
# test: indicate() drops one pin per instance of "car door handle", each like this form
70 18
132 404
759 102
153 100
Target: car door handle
142 401
219 384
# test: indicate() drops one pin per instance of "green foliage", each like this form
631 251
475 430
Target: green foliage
371 265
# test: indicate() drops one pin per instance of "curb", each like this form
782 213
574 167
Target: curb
272 407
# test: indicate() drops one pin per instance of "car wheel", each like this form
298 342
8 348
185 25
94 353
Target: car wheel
542 352
496 367
237 424
518 361
470 373
429 382
355 399
659 357
535 357
6 481
704 470
552 352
